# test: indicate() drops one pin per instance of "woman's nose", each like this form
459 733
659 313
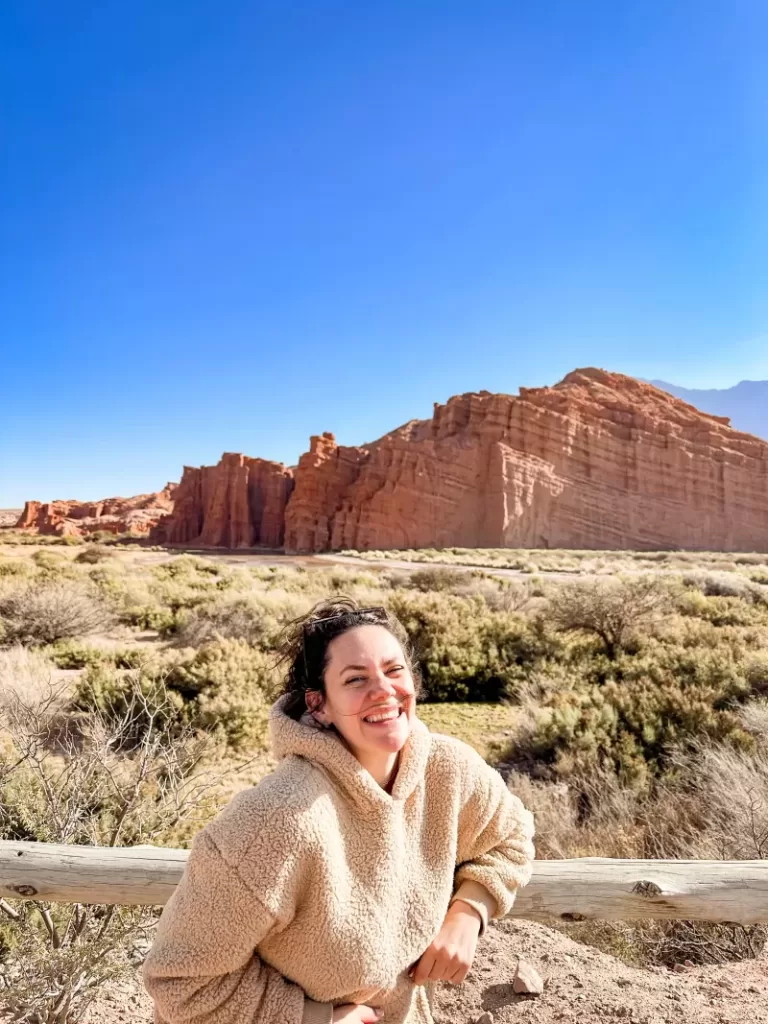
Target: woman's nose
382 684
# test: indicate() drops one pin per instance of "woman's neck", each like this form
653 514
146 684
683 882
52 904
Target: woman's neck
383 768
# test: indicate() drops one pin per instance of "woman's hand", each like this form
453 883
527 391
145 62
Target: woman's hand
450 956
354 1013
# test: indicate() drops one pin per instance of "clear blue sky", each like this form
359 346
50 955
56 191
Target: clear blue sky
225 226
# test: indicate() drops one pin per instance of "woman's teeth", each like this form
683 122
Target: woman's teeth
383 716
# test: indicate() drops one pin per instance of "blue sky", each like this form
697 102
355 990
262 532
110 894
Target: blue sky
227 226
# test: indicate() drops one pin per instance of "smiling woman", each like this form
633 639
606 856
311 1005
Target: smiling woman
354 673
362 871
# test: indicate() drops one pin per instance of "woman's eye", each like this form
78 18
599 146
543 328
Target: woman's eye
355 679
395 668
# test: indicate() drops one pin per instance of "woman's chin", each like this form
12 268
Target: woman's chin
393 740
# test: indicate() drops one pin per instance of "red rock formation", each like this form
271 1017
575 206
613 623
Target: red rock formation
135 516
597 461
238 503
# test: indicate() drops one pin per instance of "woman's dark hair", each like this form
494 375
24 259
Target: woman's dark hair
305 641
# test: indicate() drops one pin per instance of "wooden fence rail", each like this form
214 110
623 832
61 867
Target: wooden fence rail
591 887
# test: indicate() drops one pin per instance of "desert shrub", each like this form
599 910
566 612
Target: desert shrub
74 654
53 565
510 596
729 789
320 583
225 688
237 618
25 539
466 651
629 729
254 618
756 672
184 584
14 568
718 669
138 698
133 600
43 613
94 554
54 958
725 584
613 611
436 580
228 688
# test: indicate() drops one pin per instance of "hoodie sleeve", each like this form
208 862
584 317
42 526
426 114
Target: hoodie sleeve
203 968
495 844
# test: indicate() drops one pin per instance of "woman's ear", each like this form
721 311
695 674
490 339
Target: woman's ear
316 707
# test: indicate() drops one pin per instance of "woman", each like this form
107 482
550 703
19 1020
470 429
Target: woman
359 873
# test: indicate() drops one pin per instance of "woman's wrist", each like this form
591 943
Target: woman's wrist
466 910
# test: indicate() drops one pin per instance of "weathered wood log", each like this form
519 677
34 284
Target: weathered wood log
593 887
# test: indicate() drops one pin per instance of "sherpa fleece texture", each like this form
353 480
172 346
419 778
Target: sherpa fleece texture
316 887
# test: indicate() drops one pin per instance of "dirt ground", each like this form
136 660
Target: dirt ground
581 986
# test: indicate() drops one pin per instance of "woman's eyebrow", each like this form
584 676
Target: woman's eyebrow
364 668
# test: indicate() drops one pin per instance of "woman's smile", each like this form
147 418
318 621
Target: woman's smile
383 715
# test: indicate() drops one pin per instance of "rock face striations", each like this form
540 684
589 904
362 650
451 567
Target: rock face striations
239 503
597 461
137 516
600 460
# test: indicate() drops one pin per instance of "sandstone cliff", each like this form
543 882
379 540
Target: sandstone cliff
137 515
240 502
600 460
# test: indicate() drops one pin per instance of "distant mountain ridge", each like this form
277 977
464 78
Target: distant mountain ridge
746 403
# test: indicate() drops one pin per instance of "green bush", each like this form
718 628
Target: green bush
14 567
225 688
435 580
466 651
629 727
74 654
756 673
720 610
94 554
52 564
138 698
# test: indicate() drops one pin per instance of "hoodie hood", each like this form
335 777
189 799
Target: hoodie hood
324 747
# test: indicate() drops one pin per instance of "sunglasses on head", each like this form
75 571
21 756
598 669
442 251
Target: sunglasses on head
376 613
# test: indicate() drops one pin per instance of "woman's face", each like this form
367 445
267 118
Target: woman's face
369 691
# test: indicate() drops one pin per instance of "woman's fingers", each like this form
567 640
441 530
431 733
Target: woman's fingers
423 968
439 965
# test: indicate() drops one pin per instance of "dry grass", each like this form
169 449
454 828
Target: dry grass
572 561
24 674
483 726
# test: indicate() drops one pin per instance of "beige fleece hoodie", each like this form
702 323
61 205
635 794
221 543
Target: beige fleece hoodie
316 887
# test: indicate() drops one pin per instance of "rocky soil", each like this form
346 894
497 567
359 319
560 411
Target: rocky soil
581 986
